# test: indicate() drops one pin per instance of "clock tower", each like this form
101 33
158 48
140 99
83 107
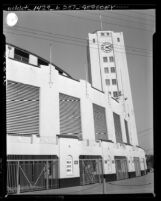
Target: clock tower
106 60
108 70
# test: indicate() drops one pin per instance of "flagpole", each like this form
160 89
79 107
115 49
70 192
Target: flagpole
86 73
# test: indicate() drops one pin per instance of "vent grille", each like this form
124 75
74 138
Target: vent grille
70 117
100 122
22 108
117 124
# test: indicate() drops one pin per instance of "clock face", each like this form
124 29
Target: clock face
106 47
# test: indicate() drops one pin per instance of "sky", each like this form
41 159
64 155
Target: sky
67 31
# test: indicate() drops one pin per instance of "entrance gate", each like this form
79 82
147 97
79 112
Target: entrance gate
90 171
30 175
121 167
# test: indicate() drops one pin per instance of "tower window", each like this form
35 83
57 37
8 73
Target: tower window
111 59
102 34
117 125
107 81
114 81
127 131
108 33
113 70
42 62
100 125
21 56
115 94
94 40
106 70
118 39
104 59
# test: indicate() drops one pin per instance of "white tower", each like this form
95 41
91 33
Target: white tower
108 71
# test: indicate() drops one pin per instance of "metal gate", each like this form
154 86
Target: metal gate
121 168
137 166
23 175
90 171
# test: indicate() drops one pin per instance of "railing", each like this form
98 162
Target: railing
31 175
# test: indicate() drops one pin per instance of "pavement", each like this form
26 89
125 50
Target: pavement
142 184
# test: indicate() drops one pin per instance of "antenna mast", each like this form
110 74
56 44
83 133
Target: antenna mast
101 21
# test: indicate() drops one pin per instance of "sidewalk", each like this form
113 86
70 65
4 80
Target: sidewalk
143 184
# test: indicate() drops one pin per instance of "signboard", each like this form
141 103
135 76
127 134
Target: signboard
69 168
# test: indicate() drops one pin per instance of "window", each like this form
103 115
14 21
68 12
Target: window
22 108
113 69
115 94
102 34
107 81
99 122
127 131
118 39
21 56
117 124
114 81
119 93
70 115
94 40
42 62
108 33
104 59
106 70
111 59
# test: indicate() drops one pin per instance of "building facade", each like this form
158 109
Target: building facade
65 132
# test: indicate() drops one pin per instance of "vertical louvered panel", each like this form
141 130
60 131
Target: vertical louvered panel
127 131
70 117
117 124
99 122
22 108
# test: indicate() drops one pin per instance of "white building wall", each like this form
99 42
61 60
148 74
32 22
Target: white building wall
10 51
121 61
95 63
49 104
87 108
33 59
66 147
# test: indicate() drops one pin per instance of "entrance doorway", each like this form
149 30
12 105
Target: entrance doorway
121 167
90 170
137 166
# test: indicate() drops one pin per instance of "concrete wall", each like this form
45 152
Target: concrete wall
95 62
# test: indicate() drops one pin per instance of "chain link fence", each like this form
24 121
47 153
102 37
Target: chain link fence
91 171
31 175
